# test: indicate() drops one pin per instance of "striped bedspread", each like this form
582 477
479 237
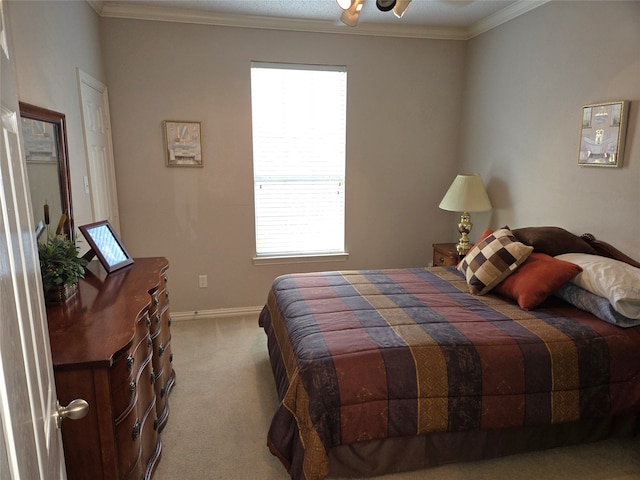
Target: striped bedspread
373 354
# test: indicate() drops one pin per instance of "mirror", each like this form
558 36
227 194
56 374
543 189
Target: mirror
45 143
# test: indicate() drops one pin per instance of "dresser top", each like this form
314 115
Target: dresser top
99 321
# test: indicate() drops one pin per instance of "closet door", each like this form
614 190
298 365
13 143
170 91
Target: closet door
97 138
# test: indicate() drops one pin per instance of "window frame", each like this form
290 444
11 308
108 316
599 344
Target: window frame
310 256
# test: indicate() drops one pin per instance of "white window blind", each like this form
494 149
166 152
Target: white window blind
299 137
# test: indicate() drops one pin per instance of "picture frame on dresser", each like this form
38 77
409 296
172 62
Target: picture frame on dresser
602 134
106 245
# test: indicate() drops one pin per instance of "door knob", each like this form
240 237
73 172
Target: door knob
77 409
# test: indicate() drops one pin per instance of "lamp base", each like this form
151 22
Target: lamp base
464 227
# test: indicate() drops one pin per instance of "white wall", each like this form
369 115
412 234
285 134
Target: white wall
51 40
527 81
403 113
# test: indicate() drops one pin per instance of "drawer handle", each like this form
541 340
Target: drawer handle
153 377
149 342
163 391
169 321
158 318
171 357
166 295
148 320
132 387
441 260
136 430
161 350
155 301
130 361
166 279
155 424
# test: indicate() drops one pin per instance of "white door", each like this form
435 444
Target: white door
30 443
97 137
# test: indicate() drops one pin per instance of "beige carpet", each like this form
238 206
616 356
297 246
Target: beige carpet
224 397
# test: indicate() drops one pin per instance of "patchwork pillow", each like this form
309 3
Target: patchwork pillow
594 304
537 278
612 279
552 240
485 233
492 260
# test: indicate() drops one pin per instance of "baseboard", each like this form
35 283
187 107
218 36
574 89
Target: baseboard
216 313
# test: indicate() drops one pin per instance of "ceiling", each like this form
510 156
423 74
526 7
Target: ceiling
448 19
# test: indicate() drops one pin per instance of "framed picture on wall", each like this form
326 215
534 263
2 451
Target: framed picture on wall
183 143
602 134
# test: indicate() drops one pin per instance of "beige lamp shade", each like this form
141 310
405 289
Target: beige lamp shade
466 194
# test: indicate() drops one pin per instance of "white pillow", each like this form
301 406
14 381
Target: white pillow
617 281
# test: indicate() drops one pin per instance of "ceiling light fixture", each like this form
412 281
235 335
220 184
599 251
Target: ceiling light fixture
385 5
401 7
351 15
351 9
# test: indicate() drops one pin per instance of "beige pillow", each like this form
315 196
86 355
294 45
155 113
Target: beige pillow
492 260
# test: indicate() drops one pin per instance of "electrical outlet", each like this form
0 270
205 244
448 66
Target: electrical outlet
203 281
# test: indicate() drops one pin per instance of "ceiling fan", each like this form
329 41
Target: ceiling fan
351 9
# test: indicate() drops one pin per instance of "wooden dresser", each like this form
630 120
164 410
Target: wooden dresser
111 345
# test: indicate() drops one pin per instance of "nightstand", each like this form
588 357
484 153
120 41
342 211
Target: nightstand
445 254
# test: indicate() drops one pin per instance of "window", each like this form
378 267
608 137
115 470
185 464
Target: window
299 138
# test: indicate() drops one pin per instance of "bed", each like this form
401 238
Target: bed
381 371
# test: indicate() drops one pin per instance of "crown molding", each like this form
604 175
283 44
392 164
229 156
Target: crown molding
503 16
166 14
97 5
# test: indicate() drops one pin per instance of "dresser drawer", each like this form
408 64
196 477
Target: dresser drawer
126 374
136 431
146 387
128 442
150 443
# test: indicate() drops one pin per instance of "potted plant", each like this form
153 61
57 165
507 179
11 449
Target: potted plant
61 268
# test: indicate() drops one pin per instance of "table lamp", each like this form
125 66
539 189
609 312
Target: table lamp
466 194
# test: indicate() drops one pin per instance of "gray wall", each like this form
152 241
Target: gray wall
51 40
527 81
403 112
505 104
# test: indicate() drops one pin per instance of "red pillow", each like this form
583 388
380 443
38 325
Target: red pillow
537 278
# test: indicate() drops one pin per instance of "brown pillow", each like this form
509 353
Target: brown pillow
552 240
492 260
537 278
